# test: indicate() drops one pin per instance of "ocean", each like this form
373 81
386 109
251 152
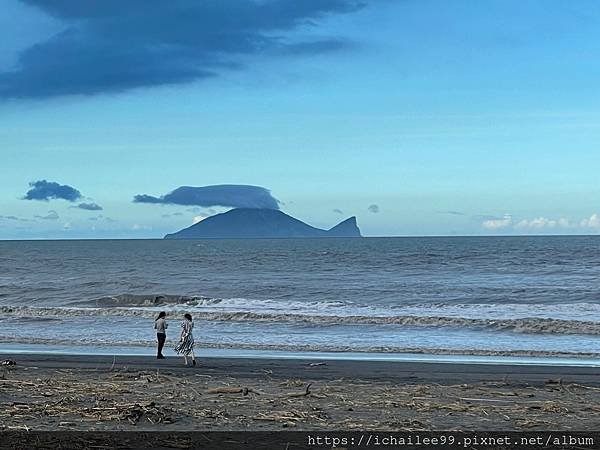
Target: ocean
531 297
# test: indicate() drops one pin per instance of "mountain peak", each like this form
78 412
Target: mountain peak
346 228
251 223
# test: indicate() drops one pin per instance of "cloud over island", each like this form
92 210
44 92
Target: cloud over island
227 195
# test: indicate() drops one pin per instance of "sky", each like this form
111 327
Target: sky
136 119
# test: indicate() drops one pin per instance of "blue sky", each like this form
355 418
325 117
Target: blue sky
451 117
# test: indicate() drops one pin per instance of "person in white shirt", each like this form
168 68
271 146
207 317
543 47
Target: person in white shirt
160 325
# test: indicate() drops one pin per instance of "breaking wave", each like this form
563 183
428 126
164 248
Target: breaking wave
530 325
200 301
141 300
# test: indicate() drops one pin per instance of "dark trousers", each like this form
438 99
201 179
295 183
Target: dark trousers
162 337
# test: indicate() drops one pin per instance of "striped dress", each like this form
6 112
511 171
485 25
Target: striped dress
186 345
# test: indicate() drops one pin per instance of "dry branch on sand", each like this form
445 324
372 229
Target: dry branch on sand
232 390
304 393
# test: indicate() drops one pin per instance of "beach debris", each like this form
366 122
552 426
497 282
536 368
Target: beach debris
554 385
408 425
8 362
304 393
554 407
530 423
292 383
232 390
150 411
208 413
288 417
75 399
130 412
551 382
492 400
505 393
66 424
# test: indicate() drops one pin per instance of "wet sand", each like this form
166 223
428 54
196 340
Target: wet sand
80 392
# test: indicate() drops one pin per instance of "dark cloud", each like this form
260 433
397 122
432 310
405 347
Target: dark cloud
46 190
310 48
113 46
373 208
228 195
52 215
338 211
479 217
15 218
101 217
452 213
90 206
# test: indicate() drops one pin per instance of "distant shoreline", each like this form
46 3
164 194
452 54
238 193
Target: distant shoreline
432 236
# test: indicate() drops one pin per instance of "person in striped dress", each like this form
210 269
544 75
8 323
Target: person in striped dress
185 346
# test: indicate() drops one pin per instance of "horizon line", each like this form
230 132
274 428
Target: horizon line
406 236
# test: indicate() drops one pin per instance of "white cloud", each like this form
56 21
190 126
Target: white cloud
198 219
138 227
52 215
592 222
498 223
540 223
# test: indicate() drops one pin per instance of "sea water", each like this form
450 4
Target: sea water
534 297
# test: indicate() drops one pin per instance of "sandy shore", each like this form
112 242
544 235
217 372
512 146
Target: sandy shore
68 392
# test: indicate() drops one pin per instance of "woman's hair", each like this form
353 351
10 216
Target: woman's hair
161 315
188 316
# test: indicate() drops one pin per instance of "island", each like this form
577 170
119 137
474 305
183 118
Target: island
252 223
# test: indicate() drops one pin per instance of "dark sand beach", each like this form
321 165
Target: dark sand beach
79 392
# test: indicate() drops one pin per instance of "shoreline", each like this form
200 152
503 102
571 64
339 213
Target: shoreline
425 371
435 356
96 392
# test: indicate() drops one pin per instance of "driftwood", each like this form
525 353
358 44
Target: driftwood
304 393
232 390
